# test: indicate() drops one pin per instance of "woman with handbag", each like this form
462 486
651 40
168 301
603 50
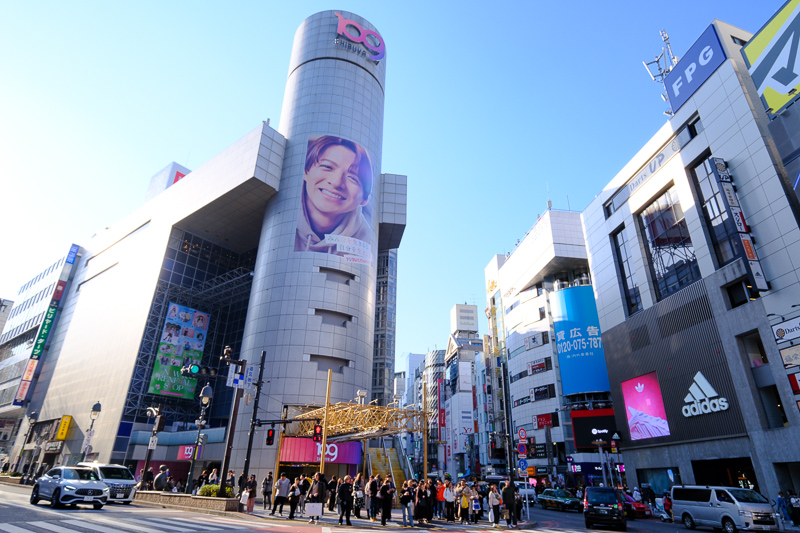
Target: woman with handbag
464 502
250 491
495 501
420 504
294 497
358 490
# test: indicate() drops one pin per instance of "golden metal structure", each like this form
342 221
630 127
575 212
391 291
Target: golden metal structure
353 421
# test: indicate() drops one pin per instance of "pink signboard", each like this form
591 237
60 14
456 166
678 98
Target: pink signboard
185 452
297 450
644 407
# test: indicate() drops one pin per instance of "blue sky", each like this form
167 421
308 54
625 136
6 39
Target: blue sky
486 108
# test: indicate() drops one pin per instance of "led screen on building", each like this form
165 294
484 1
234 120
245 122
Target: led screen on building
580 348
182 342
593 427
644 407
335 215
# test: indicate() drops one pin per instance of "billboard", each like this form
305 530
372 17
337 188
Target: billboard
593 427
304 450
580 348
771 57
695 67
644 407
182 342
335 215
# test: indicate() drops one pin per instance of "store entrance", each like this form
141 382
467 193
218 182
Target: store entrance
731 472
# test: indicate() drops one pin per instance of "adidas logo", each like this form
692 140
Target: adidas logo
639 387
702 398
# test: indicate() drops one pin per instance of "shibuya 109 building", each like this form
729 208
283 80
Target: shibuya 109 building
285 242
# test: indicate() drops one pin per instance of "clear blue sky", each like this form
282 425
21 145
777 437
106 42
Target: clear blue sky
485 106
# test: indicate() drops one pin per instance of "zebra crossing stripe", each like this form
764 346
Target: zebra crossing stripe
86 524
53 527
195 527
151 524
10 528
120 523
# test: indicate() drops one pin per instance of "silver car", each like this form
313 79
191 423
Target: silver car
65 485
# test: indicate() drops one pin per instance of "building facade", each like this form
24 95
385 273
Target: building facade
692 249
271 246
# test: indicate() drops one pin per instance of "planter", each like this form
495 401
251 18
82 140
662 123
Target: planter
15 480
174 499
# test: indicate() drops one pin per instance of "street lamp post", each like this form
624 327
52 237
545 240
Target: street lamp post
205 400
31 423
94 414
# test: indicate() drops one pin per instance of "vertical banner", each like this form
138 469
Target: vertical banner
442 417
580 348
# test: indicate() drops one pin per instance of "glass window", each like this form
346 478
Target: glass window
630 288
721 229
670 250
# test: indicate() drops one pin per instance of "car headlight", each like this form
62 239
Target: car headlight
105 489
70 487
745 513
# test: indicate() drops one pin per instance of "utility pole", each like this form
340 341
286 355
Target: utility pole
227 357
157 426
325 425
424 429
253 418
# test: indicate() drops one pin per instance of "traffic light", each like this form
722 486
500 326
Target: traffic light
317 433
270 436
195 370
203 439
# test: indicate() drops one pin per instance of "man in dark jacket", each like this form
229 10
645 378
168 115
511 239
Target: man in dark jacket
160 483
316 494
374 501
332 484
510 503
345 495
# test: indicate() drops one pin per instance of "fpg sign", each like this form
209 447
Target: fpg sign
371 40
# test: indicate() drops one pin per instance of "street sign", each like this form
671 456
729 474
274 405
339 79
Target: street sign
523 464
523 434
249 374
522 450
153 443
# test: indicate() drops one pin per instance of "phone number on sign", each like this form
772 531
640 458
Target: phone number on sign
579 344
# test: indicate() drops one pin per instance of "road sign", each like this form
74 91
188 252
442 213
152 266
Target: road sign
153 443
249 374
523 434
523 464
522 450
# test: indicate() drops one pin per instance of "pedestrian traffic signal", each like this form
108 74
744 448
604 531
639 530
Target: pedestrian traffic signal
317 433
270 437
195 370
203 439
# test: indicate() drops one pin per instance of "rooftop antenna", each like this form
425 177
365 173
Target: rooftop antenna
663 63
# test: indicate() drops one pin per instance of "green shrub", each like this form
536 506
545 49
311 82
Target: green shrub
211 490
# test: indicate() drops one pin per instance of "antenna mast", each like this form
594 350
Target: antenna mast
664 62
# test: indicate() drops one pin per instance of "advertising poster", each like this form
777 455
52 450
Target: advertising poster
644 407
182 342
578 341
335 215
593 427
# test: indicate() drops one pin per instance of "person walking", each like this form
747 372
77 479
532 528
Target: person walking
475 504
332 486
406 504
794 507
494 505
374 500
439 500
387 496
421 503
282 487
250 486
510 504
449 502
464 502
304 486
316 494
266 490
213 478
345 495
358 491
294 497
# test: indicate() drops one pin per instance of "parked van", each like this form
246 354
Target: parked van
120 481
728 508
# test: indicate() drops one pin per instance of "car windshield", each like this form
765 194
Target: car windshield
604 497
79 473
747 496
563 494
115 472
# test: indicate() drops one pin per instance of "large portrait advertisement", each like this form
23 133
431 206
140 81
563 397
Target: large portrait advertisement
335 204
644 407
182 342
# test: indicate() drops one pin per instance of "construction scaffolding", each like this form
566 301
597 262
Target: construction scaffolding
353 421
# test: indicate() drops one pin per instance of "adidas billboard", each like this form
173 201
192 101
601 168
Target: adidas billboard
702 398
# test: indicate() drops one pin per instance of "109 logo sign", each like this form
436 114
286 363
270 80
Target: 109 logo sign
371 40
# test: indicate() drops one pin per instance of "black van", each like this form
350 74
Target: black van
604 505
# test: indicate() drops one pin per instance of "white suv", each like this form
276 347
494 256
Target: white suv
120 481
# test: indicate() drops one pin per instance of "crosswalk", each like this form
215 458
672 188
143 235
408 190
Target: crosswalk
127 524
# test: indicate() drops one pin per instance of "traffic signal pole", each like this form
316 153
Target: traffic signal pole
254 418
325 425
200 426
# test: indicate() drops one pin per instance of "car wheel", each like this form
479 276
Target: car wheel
728 526
688 522
97 506
35 496
55 502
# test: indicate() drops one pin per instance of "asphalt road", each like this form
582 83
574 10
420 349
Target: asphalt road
17 515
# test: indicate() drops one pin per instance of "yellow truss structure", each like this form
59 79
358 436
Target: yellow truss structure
354 421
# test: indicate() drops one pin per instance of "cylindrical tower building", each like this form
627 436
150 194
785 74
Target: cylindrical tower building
312 302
